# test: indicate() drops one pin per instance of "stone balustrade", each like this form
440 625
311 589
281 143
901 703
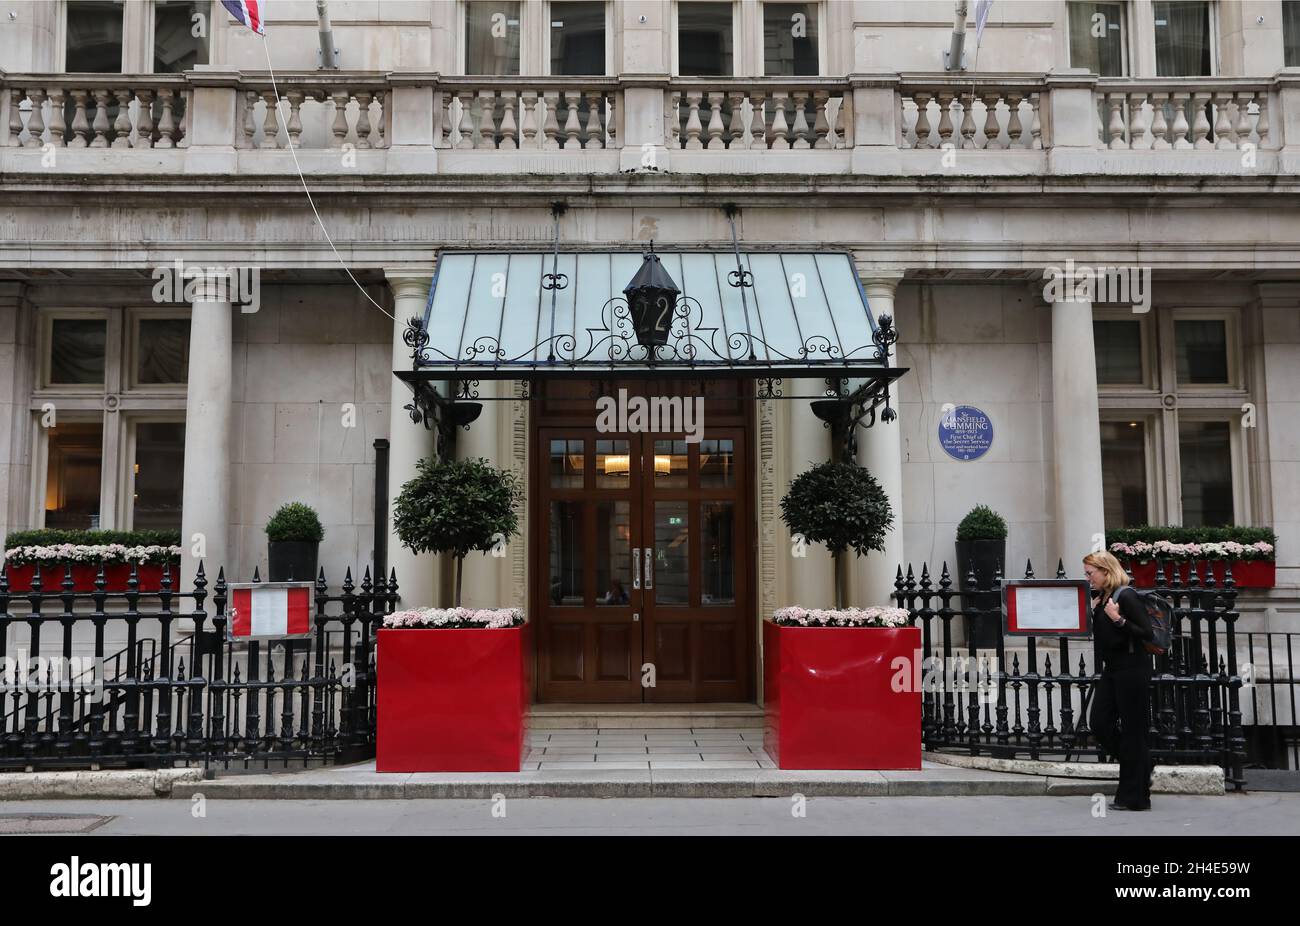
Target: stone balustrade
96 110
424 122
511 113
768 114
1183 114
972 112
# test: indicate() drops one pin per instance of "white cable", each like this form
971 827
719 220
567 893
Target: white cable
297 167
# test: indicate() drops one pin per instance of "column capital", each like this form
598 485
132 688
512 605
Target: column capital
406 284
880 284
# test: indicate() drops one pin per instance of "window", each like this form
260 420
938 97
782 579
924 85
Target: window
74 451
1182 38
1205 471
109 418
1291 33
157 475
76 352
1170 393
704 40
93 38
577 38
1119 351
175 46
1124 472
492 37
790 40
1097 38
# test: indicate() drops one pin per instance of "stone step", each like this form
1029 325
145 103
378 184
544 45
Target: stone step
644 716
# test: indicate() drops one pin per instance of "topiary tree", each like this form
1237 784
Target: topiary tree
295 522
982 523
841 506
456 506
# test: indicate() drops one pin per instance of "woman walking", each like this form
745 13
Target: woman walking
1121 705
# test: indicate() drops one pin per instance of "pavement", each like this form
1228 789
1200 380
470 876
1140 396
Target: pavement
707 762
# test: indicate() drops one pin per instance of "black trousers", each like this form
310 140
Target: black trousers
1121 715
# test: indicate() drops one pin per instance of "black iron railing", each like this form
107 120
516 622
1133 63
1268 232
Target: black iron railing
179 690
1036 704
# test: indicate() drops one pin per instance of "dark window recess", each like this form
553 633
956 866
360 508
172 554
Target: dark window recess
77 351
175 46
790 40
94 37
577 38
704 40
159 475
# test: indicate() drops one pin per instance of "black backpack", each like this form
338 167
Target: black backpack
1161 615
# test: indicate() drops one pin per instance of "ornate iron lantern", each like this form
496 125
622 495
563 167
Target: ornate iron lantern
652 301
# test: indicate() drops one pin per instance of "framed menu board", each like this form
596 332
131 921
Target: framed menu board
1046 607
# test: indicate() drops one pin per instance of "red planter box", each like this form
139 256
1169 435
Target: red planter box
1246 573
451 700
116 576
829 698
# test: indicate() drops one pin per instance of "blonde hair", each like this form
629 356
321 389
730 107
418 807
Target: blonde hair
1116 577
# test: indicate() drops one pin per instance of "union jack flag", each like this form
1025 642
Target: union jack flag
248 12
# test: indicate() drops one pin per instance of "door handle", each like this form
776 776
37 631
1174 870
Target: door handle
636 568
649 567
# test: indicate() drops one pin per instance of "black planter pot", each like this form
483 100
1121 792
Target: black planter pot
292 560
986 556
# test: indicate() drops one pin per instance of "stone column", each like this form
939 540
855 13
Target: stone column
205 500
812 575
1076 435
880 450
408 443
485 574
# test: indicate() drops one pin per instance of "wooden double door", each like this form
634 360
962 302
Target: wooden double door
641 569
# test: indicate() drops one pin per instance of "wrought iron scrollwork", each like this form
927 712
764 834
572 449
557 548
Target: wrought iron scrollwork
768 388
417 338
885 337
555 281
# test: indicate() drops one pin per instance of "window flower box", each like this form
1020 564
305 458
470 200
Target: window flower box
118 561
453 691
830 689
1254 565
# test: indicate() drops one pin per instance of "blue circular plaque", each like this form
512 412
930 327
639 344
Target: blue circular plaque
965 433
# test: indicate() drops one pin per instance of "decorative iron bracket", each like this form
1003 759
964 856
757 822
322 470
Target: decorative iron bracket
843 414
432 409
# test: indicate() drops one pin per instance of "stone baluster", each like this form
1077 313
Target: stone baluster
737 137
528 124
509 129
821 124
715 122
673 120
1242 128
363 119
693 126
1159 124
1115 125
183 128
1180 127
15 116
1222 124
443 104
485 135
922 126
572 124
56 124
944 99
1261 123
247 104
166 121
551 124
1036 124
100 124
1136 127
122 124
991 128
799 131
757 121
270 122
968 123
80 125
595 130
35 119
841 120
465 123
780 128
613 118
1014 128
379 130
1201 125
294 125
144 119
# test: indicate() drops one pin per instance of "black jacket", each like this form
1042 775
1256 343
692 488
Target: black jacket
1121 646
